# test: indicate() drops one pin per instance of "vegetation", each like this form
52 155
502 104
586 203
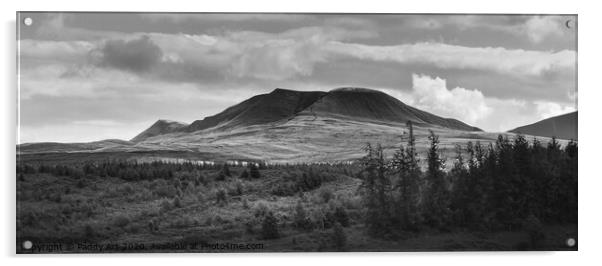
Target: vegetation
508 195
498 188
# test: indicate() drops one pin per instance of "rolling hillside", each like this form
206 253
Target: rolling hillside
562 126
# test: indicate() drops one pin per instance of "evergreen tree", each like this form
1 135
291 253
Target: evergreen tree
269 226
376 189
436 194
226 170
405 164
254 171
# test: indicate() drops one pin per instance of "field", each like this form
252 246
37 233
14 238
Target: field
205 209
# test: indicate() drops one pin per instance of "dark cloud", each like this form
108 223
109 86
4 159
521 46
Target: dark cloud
136 55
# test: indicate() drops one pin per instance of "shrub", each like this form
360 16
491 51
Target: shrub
177 202
300 218
341 216
163 189
80 184
244 174
254 171
89 231
226 170
220 177
220 196
326 195
165 205
339 238
269 227
236 190
535 230
261 210
284 189
121 221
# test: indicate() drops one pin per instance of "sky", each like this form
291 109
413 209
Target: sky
93 76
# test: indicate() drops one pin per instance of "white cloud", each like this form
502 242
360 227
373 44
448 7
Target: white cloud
550 109
55 50
515 62
538 28
432 94
472 107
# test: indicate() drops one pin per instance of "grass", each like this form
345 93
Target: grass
110 210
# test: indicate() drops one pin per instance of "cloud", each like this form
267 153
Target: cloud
432 94
238 17
136 55
540 27
54 50
550 109
516 62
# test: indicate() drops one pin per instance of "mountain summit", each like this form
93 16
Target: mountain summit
160 127
280 105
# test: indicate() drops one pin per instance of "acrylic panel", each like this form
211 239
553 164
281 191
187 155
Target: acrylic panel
296 132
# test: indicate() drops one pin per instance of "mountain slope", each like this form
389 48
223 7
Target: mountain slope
379 106
281 104
562 126
265 108
159 128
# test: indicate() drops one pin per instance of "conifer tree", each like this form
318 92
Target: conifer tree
376 190
436 194
405 164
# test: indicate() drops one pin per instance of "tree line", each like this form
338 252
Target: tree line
493 187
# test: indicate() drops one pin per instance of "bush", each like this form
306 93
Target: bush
341 216
226 170
165 205
285 189
163 189
177 202
236 190
244 174
121 221
220 177
261 210
535 230
89 231
300 218
269 227
220 196
254 171
339 238
326 195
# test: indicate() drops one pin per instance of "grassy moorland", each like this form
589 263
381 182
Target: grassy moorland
511 196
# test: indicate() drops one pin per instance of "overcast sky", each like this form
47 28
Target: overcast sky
86 76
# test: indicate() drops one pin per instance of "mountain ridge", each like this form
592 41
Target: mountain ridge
562 126
284 104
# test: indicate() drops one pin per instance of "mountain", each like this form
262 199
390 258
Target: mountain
379 106
281 105
260 109
562 126
287 126
159 128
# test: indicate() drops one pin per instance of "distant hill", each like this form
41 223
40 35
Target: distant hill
562 126
282 104
159 128
288 126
